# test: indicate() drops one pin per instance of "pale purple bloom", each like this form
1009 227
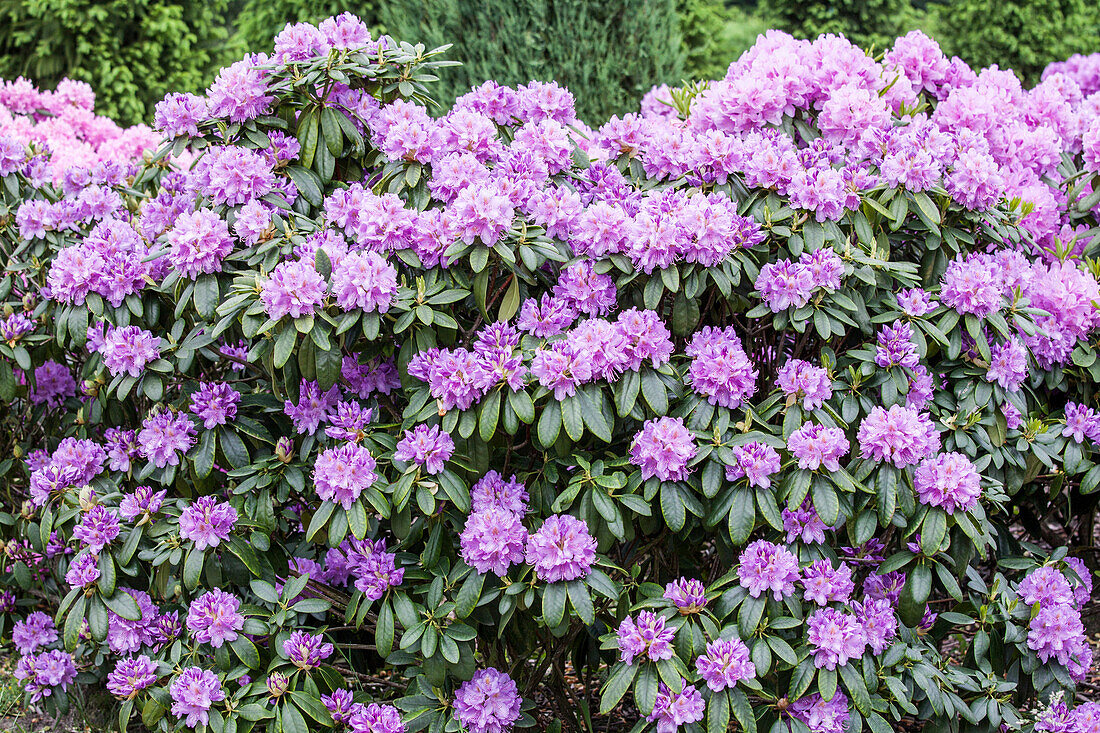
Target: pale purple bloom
306 651
1008 364
294 289
879 622
915 302
972 285
128 350
821 716
688 595
720 369
98 528
207 522
646 637
83 570
561 549
835 637
199 242
765 567
1046 586
756 461
342 474
804 382
364 280
215 618
193 692
1081 422
822 583
313 406
375 718
143 502
492 490
164 436
215 403
37 630
427 446
726 663
674 709
340 705
493 540
886 585
804 524
488 703
816 445
663 448
784 284
901 436
131 675
949 481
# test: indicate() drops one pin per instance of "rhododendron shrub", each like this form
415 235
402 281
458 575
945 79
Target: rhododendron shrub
766 405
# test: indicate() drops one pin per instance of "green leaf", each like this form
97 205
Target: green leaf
549 423
357 520
74 623
572 418
933 531
308 133
469 594
594 417
582 602
206 295
319 520
617 685
245 554
204 453
653 389
742 516
509 305
718 713
107 577
384 630
489 415
331 127
312 707
328 365
672 507
742 710
233 447
293 721
553 604
192 568
246 651
284 345
123 605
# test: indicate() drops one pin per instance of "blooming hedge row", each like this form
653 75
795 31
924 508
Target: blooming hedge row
756 407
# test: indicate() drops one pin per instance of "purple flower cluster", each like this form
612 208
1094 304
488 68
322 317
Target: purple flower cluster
949 481
804 383
207 522
720 369
663 448
215 618
901 436
645 637
426 446
756 462
343 473
561 549
765 567
489 702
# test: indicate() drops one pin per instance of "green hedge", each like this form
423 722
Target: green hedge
133 52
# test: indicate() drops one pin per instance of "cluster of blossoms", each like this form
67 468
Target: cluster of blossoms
62 121
1056 630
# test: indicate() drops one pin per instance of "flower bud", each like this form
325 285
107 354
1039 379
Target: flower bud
284 449
277 684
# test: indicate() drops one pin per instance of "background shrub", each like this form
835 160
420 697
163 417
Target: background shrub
133 52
